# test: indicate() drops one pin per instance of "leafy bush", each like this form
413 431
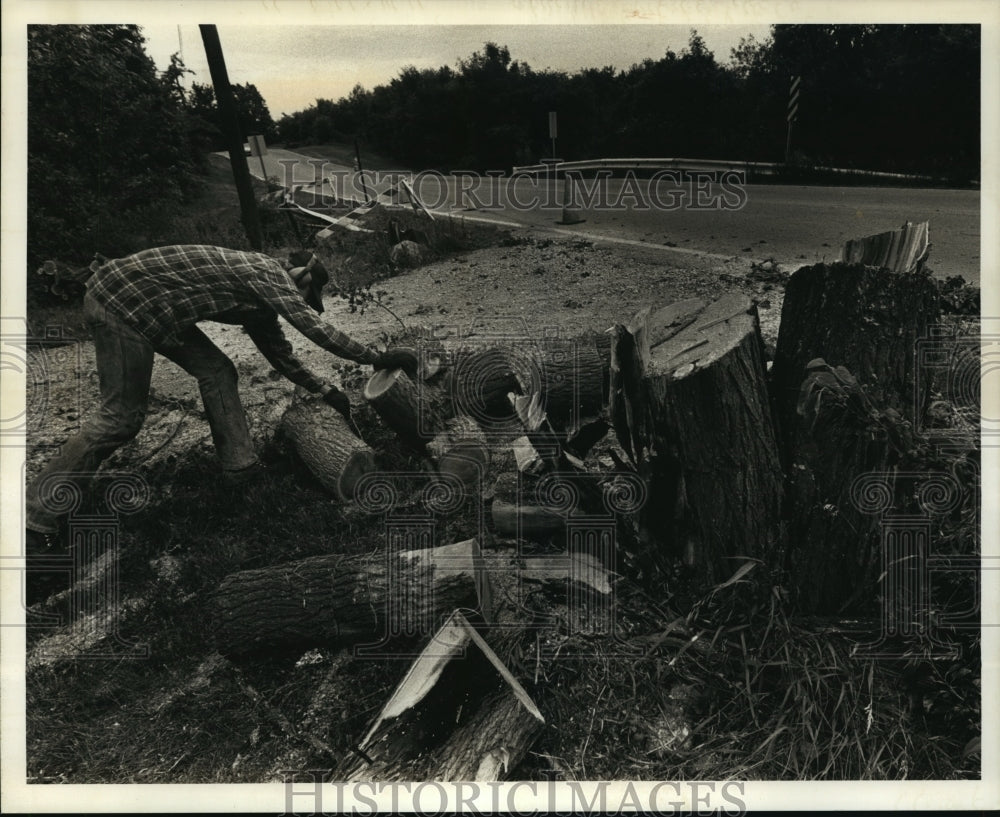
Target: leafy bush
112 150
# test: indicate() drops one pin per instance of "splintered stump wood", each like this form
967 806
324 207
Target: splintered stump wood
327 445
715 476
459 714
347 599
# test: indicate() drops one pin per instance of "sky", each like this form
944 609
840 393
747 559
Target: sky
293 65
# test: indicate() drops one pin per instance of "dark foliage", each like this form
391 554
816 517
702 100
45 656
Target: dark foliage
251 111
112 148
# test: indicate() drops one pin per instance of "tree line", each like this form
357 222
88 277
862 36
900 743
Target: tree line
900 98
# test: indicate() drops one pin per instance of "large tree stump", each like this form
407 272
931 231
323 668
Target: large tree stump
844 376
864 318
327 445
347 599
459 714
714 469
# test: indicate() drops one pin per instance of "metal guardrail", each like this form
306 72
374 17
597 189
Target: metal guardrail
759 168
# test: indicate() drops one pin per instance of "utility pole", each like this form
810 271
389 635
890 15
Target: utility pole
231 130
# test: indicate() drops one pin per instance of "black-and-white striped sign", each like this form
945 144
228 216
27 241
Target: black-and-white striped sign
793 98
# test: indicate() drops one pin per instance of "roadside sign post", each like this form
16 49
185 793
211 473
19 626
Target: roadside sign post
552 132
793 109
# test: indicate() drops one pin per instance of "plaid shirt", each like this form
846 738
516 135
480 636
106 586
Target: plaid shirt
164 291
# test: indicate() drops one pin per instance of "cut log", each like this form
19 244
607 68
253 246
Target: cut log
571 377
327 445
480 382
415 412
462 450
347 599
458 714
714 465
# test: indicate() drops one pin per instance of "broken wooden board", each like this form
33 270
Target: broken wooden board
458 714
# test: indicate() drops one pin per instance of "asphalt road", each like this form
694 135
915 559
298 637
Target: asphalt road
794 225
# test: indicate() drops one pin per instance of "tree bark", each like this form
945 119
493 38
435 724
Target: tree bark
834 555
461 449
866 319
459 714
347 599
716 479
326 444
415 411
845 374
571 376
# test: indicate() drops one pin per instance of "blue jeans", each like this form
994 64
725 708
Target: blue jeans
124 368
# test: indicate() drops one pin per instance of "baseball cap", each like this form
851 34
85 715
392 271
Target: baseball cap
314 295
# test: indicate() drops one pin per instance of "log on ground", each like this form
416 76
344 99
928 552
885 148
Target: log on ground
458 714
571 375
327 445
415 411
461 449
342 600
